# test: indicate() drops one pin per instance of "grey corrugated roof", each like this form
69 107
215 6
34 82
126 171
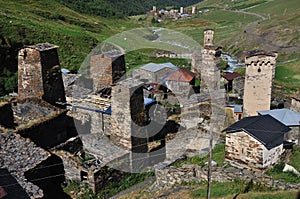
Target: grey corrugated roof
285 116
265 129
153 67
237 107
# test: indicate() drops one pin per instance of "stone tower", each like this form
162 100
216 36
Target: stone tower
106 69
40 74
127 119
208 37
194 10
260 72
128 114
154 8
210 74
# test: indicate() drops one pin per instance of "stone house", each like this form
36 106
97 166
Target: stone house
229 79
237 111
289 118
180 81
255 142
153 72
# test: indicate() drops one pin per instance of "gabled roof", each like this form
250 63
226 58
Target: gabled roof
181 75
285 116
231 76
153 67
265 129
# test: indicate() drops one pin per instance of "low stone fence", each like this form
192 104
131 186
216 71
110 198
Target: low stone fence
168 176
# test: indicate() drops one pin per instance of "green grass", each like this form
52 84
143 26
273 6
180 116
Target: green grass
83 191
219 189
217 156
294 161
288 75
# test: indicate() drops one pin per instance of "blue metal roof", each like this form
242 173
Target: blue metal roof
285 116
236 108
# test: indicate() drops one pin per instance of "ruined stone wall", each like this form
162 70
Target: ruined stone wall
245 150
6 116
169 176
30 74
196 64
39 74
87 121
127 109
260 72
46 134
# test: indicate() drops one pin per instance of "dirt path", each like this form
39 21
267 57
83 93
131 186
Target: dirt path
263 40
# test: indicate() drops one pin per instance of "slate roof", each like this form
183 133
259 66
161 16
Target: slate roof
181 75
231 76
18 156
285 116
153 67
265 129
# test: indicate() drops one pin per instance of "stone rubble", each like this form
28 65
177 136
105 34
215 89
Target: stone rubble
19 155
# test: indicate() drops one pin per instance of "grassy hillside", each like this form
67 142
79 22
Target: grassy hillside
115 8
243 25
24 22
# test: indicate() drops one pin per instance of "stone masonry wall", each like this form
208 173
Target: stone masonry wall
168 176
106 69
260 71
244 149
127 106
39 74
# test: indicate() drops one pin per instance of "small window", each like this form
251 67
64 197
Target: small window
83 175
259 70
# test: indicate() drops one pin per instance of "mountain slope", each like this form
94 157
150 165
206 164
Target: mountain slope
24 22
117 8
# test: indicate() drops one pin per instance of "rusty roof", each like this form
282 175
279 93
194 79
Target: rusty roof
181 75
231 76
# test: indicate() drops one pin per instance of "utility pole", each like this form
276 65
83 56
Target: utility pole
209 162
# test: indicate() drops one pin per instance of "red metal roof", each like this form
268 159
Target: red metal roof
231 76
181 75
